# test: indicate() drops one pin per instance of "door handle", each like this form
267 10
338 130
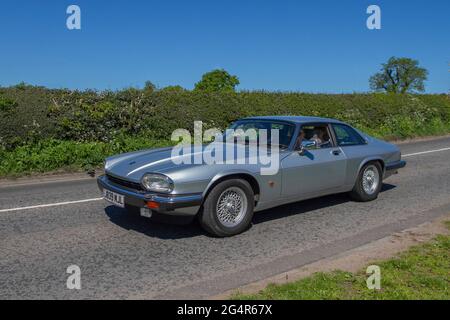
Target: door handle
336 152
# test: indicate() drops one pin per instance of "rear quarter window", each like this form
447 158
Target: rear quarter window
347 136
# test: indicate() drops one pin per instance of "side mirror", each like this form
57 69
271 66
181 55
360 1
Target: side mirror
305 145
301 151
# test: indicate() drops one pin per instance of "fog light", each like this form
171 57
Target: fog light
146 212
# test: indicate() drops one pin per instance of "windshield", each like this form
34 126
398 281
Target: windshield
262 129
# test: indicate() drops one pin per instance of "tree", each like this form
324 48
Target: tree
399 75
173 89
149 87
217 80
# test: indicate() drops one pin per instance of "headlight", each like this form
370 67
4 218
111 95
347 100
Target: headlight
157 182
108 162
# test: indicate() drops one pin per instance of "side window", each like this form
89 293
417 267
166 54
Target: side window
319 135
347 136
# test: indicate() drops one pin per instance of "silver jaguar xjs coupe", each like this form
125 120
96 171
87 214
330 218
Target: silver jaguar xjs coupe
315 157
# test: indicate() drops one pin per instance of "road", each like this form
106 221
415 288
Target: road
128 257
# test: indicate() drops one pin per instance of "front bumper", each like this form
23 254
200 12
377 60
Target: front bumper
174 205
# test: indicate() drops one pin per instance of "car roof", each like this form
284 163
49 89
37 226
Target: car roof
295 119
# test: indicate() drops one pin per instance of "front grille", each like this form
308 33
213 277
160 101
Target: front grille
125 183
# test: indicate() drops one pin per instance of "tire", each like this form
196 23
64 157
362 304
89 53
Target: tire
228 208
368 183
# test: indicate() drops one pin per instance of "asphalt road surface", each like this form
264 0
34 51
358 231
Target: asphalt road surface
123 256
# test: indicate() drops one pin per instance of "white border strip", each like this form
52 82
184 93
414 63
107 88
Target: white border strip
51 205
425 152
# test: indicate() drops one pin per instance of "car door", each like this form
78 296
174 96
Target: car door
314 172
354 147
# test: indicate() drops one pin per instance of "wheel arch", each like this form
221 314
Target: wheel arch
373 159
247 176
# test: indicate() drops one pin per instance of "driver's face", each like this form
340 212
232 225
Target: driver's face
302 134
321 134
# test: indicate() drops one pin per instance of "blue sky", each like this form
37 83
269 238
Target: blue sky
309 46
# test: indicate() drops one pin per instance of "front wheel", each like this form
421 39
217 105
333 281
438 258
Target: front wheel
368 184
228 208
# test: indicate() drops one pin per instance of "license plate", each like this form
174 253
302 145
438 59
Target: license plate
145 212
114 198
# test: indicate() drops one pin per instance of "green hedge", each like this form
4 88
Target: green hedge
52 155
31 114
43 129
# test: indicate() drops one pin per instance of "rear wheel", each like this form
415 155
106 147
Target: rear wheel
228 208
368 184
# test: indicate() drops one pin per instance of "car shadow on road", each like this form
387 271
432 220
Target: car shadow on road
133 221
307 206
161 230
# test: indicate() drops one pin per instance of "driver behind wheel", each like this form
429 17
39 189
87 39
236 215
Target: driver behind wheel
321 138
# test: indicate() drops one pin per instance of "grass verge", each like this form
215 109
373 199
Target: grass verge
422 272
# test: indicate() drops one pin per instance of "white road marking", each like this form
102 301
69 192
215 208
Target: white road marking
425 152
51 205
98 199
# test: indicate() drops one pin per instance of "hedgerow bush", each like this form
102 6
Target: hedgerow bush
48 155
30 114
64 127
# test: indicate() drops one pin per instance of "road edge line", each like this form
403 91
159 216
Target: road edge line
49 205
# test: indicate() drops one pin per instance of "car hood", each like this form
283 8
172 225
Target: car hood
132 166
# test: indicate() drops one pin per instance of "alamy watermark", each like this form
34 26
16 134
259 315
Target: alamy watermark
74 280
73 21
374 20
374 280
232 147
